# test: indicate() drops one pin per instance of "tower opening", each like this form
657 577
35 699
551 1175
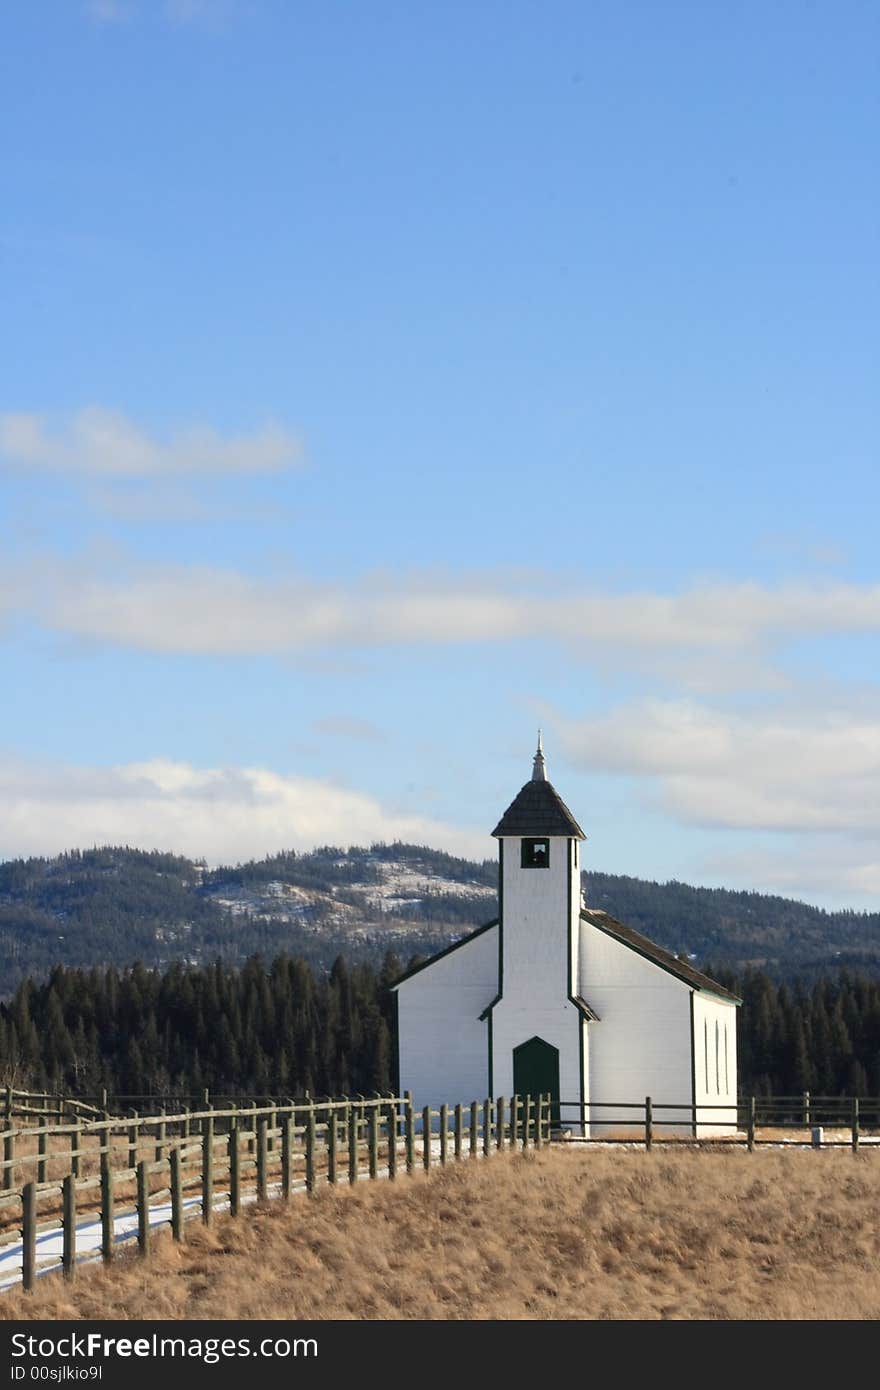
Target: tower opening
535 854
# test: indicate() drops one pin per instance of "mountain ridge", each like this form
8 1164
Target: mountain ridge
114 905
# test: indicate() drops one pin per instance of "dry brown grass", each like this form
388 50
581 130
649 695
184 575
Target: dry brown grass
565 1233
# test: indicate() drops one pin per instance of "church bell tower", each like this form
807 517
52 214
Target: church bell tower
537 1038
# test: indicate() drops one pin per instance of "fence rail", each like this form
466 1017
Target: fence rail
163 1168
749 1121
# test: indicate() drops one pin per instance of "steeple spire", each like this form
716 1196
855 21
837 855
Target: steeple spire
539 770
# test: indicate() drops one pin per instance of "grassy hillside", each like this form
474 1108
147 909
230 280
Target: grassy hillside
560 1234
113 906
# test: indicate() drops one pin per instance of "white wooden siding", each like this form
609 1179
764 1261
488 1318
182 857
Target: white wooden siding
715 1025
537 912
535 916
641 1045
559 1024
443 1046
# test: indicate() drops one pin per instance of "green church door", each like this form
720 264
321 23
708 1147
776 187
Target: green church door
536 1072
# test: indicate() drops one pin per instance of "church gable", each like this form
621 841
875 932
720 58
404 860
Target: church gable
457 946
443 1043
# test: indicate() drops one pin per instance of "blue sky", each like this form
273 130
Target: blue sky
382 381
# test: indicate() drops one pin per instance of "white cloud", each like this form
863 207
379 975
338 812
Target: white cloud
176 12
104 443
845 873
161 501
207 610
108 11
348 726
224 814
198 11
786 768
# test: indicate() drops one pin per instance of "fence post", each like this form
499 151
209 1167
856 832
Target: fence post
143 1207
310 1150
107 1231
9 1157
104 1102
806 1107
43 1150
133 1141
487 1126
262 1154
474 1128
233 1152
331 1147
373 1128
207 1168
539 1120
352 1143
751 1125
9 1107
527 1120
459 1131
514 1119
392 1141
444 1133
286 1155
649 1124
499 1122
426 1138
75 1146
270 1137
28 1234
186 1123
68 1220
177 1195
409 1125
160 1136
855 1124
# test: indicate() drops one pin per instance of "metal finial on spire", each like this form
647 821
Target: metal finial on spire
539 771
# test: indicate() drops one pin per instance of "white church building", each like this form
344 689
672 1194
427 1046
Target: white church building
554 996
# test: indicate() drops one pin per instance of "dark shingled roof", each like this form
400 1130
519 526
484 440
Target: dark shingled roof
645 947
538 810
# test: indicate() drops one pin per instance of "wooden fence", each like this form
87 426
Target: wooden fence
162 1167
187 1163
750 1121
38 1105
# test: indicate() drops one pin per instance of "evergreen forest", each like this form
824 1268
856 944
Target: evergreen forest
281 1028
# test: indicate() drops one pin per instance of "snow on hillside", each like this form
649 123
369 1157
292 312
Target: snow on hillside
402 884
382 898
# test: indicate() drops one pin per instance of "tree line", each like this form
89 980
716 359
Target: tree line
823 1038
283 1028
277 1029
